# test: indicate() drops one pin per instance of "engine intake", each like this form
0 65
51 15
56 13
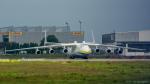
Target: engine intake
51 51
97 50
118 51
38 52
108 50
65 50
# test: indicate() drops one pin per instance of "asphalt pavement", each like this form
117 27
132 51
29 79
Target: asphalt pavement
59 60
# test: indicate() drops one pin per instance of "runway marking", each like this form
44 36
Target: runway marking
10 60
61 60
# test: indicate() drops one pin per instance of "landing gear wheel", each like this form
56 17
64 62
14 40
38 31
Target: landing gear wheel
72 57
85 57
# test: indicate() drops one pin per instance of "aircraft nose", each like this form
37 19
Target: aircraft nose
86 51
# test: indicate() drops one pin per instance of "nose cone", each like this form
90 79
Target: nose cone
83 41
85 50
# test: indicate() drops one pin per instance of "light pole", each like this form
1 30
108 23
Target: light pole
45 37
67 24
80 22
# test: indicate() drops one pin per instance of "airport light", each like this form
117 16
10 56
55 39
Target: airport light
80 22
67 24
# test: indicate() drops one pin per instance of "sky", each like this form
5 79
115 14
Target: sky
100 16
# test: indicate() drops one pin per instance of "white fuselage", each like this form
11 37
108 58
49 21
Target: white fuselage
81 49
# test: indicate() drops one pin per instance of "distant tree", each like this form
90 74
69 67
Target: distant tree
33 44
25 45
15 45
50 38
32 51
11 45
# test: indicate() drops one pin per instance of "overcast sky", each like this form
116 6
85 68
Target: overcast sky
101 16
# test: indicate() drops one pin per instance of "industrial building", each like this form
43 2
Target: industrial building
35 34
136 39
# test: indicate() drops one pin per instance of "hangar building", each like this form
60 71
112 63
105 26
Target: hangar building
136 39
35 34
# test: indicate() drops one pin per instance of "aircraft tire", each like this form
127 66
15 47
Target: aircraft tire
72 57
85 57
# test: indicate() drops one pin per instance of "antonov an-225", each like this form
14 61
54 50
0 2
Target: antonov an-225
76 49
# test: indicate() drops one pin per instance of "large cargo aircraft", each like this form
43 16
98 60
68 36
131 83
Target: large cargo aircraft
76 49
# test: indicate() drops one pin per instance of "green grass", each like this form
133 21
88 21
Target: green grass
75 73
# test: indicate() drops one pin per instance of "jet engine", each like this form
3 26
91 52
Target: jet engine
65 50
38 52
97 50
23 52
118 51
51 51
109 50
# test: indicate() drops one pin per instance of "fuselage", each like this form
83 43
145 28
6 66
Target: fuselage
81 50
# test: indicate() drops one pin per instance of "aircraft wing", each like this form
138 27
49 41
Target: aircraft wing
48 46
113 46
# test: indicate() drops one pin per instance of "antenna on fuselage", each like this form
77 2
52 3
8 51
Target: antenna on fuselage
93 38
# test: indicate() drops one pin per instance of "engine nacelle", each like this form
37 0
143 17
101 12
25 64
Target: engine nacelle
51 51
23 52
38 52
118 51
65 50
108 51
97 50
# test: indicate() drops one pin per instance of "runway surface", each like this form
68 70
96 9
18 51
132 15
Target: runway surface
59 60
